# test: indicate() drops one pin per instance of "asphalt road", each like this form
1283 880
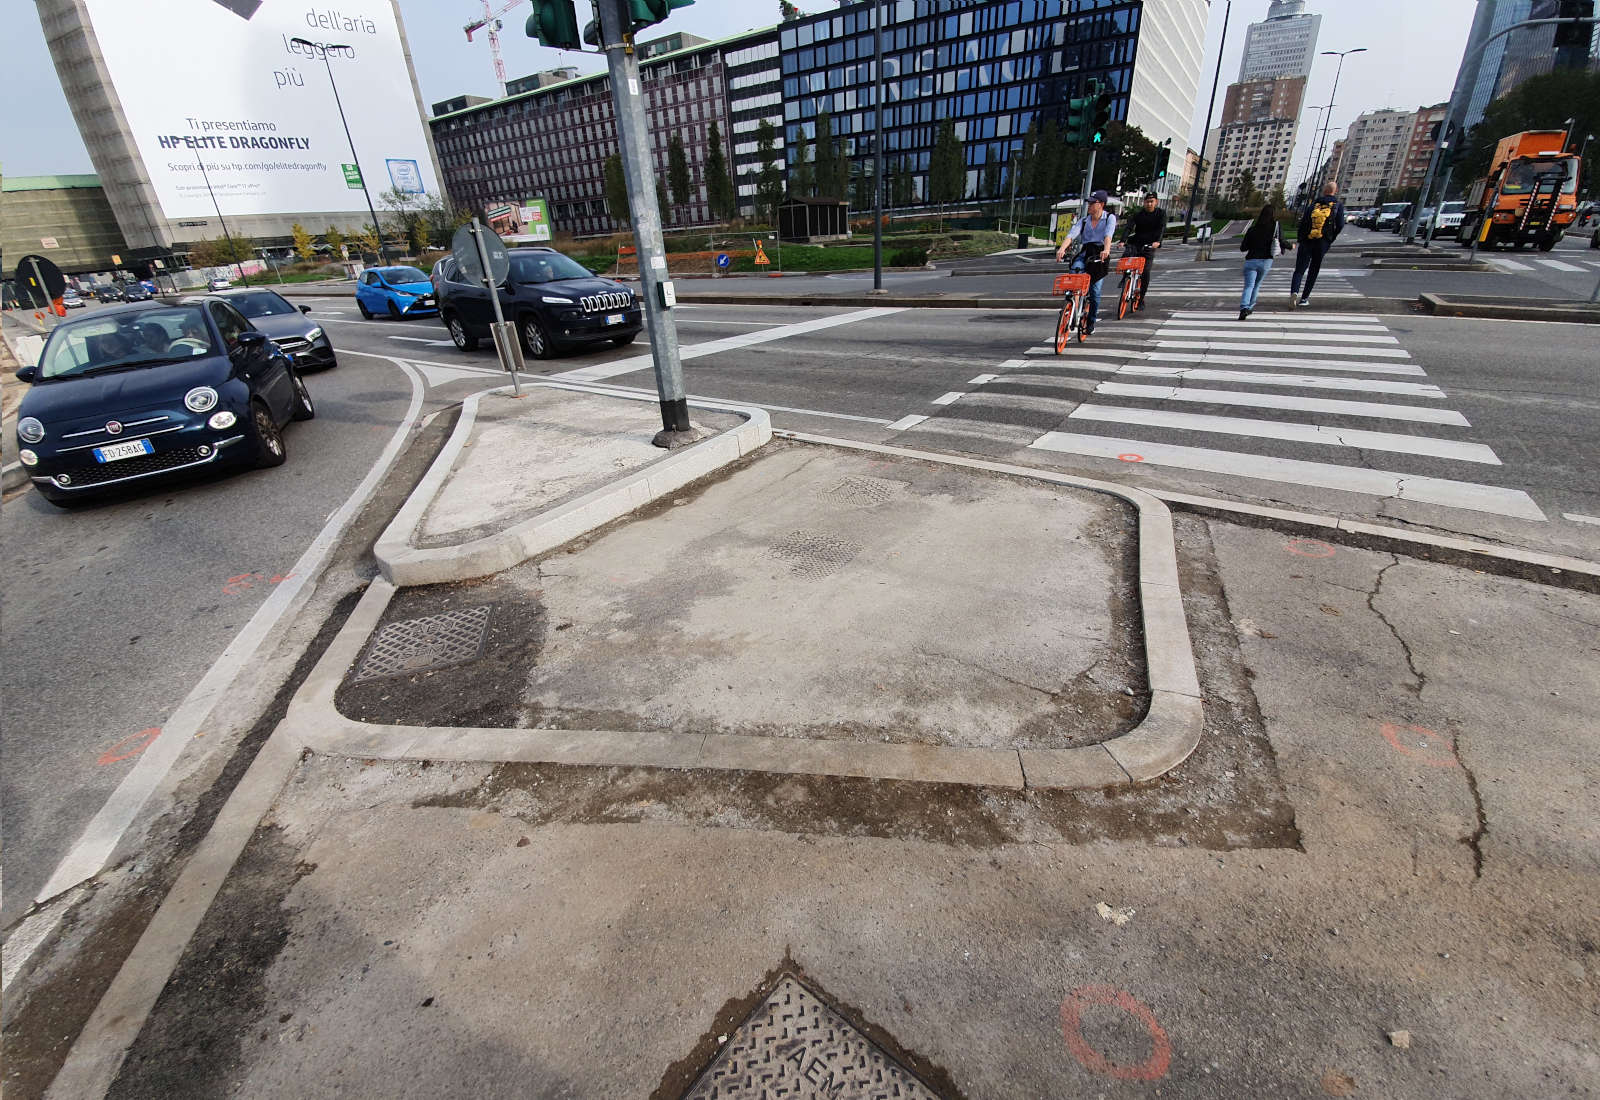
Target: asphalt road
114 614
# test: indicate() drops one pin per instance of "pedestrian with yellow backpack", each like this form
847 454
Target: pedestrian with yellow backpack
1320 225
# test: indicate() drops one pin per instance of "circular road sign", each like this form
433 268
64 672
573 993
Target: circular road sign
724 260
39 281
465 250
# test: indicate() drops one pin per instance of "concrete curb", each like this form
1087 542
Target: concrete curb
1555 570
12 476
405 565
1444 305
1170 732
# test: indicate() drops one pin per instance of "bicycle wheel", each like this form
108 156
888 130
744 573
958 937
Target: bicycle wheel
1080 315
1064 329
1125 297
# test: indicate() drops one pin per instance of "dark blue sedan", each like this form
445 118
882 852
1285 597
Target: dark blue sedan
147 390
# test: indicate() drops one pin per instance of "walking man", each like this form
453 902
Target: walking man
1146 228
1095 231
1320 225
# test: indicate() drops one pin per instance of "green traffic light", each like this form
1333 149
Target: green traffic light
554 23
645 12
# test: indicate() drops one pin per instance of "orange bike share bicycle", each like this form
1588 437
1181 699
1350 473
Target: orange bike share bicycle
1073 324
1132 268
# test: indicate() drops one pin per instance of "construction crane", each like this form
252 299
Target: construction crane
491 21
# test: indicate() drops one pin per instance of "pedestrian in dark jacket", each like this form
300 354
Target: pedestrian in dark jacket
1320 225
1263 241
1146 229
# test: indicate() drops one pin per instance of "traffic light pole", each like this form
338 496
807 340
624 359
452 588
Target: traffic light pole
1088 182
627 96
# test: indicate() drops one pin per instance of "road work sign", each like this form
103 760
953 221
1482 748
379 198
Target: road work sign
761 256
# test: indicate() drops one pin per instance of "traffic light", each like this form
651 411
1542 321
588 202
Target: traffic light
1163 159
554 23
1575 34
646 12
1077 113
1100 116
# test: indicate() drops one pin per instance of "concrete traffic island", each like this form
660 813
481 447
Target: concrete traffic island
876 614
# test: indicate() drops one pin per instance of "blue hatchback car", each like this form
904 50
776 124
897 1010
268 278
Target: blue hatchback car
141 391
395 292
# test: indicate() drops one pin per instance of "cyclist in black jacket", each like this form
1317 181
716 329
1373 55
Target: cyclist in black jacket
1146 228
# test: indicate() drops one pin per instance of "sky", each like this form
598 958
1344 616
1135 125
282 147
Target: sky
1414 46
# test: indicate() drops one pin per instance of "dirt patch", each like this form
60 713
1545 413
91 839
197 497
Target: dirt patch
192 1042
482 693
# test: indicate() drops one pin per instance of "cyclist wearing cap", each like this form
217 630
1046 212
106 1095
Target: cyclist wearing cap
1145 229
1095 231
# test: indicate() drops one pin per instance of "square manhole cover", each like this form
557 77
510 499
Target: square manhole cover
865 492
815 555
417 645
794 1045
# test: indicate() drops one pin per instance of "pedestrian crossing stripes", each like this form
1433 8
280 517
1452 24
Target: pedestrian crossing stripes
1572 263
1225 280
1320 401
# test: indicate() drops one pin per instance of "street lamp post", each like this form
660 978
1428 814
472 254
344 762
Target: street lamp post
215 205
877 148
1327 121
1211 105
322 49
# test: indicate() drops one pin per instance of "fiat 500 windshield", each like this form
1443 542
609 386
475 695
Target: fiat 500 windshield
148 338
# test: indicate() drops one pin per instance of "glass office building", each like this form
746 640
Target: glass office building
993 68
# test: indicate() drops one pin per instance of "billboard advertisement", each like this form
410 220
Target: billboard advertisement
524 221
257 108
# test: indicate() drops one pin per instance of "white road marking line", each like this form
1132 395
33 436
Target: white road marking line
1012 364
1245 332
1510 265
1275 361
1318 349
1298 315
983 379
1559 266
1290 432
88 856
950 398
1100 349
1377 410
1332 329
906 422
1576 518
423 340
1348 479
700 398
602 371
1012 435
1366 385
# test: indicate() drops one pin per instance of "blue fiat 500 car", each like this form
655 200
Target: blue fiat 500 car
142 391
395 292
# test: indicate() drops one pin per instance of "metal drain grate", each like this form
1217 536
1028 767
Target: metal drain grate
417 645
814 555
793 1045
864 492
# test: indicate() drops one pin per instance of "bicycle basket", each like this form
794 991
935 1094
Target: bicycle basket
1131 263
1075 283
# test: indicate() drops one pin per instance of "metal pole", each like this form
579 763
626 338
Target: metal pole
1088 182
1016 162
877 148
1211 104
1327 121
633 133
508 360
245 279
334 84
38 277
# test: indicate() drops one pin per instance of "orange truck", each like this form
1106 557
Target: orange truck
1529 197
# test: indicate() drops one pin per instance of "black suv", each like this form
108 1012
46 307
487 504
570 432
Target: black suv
555 302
